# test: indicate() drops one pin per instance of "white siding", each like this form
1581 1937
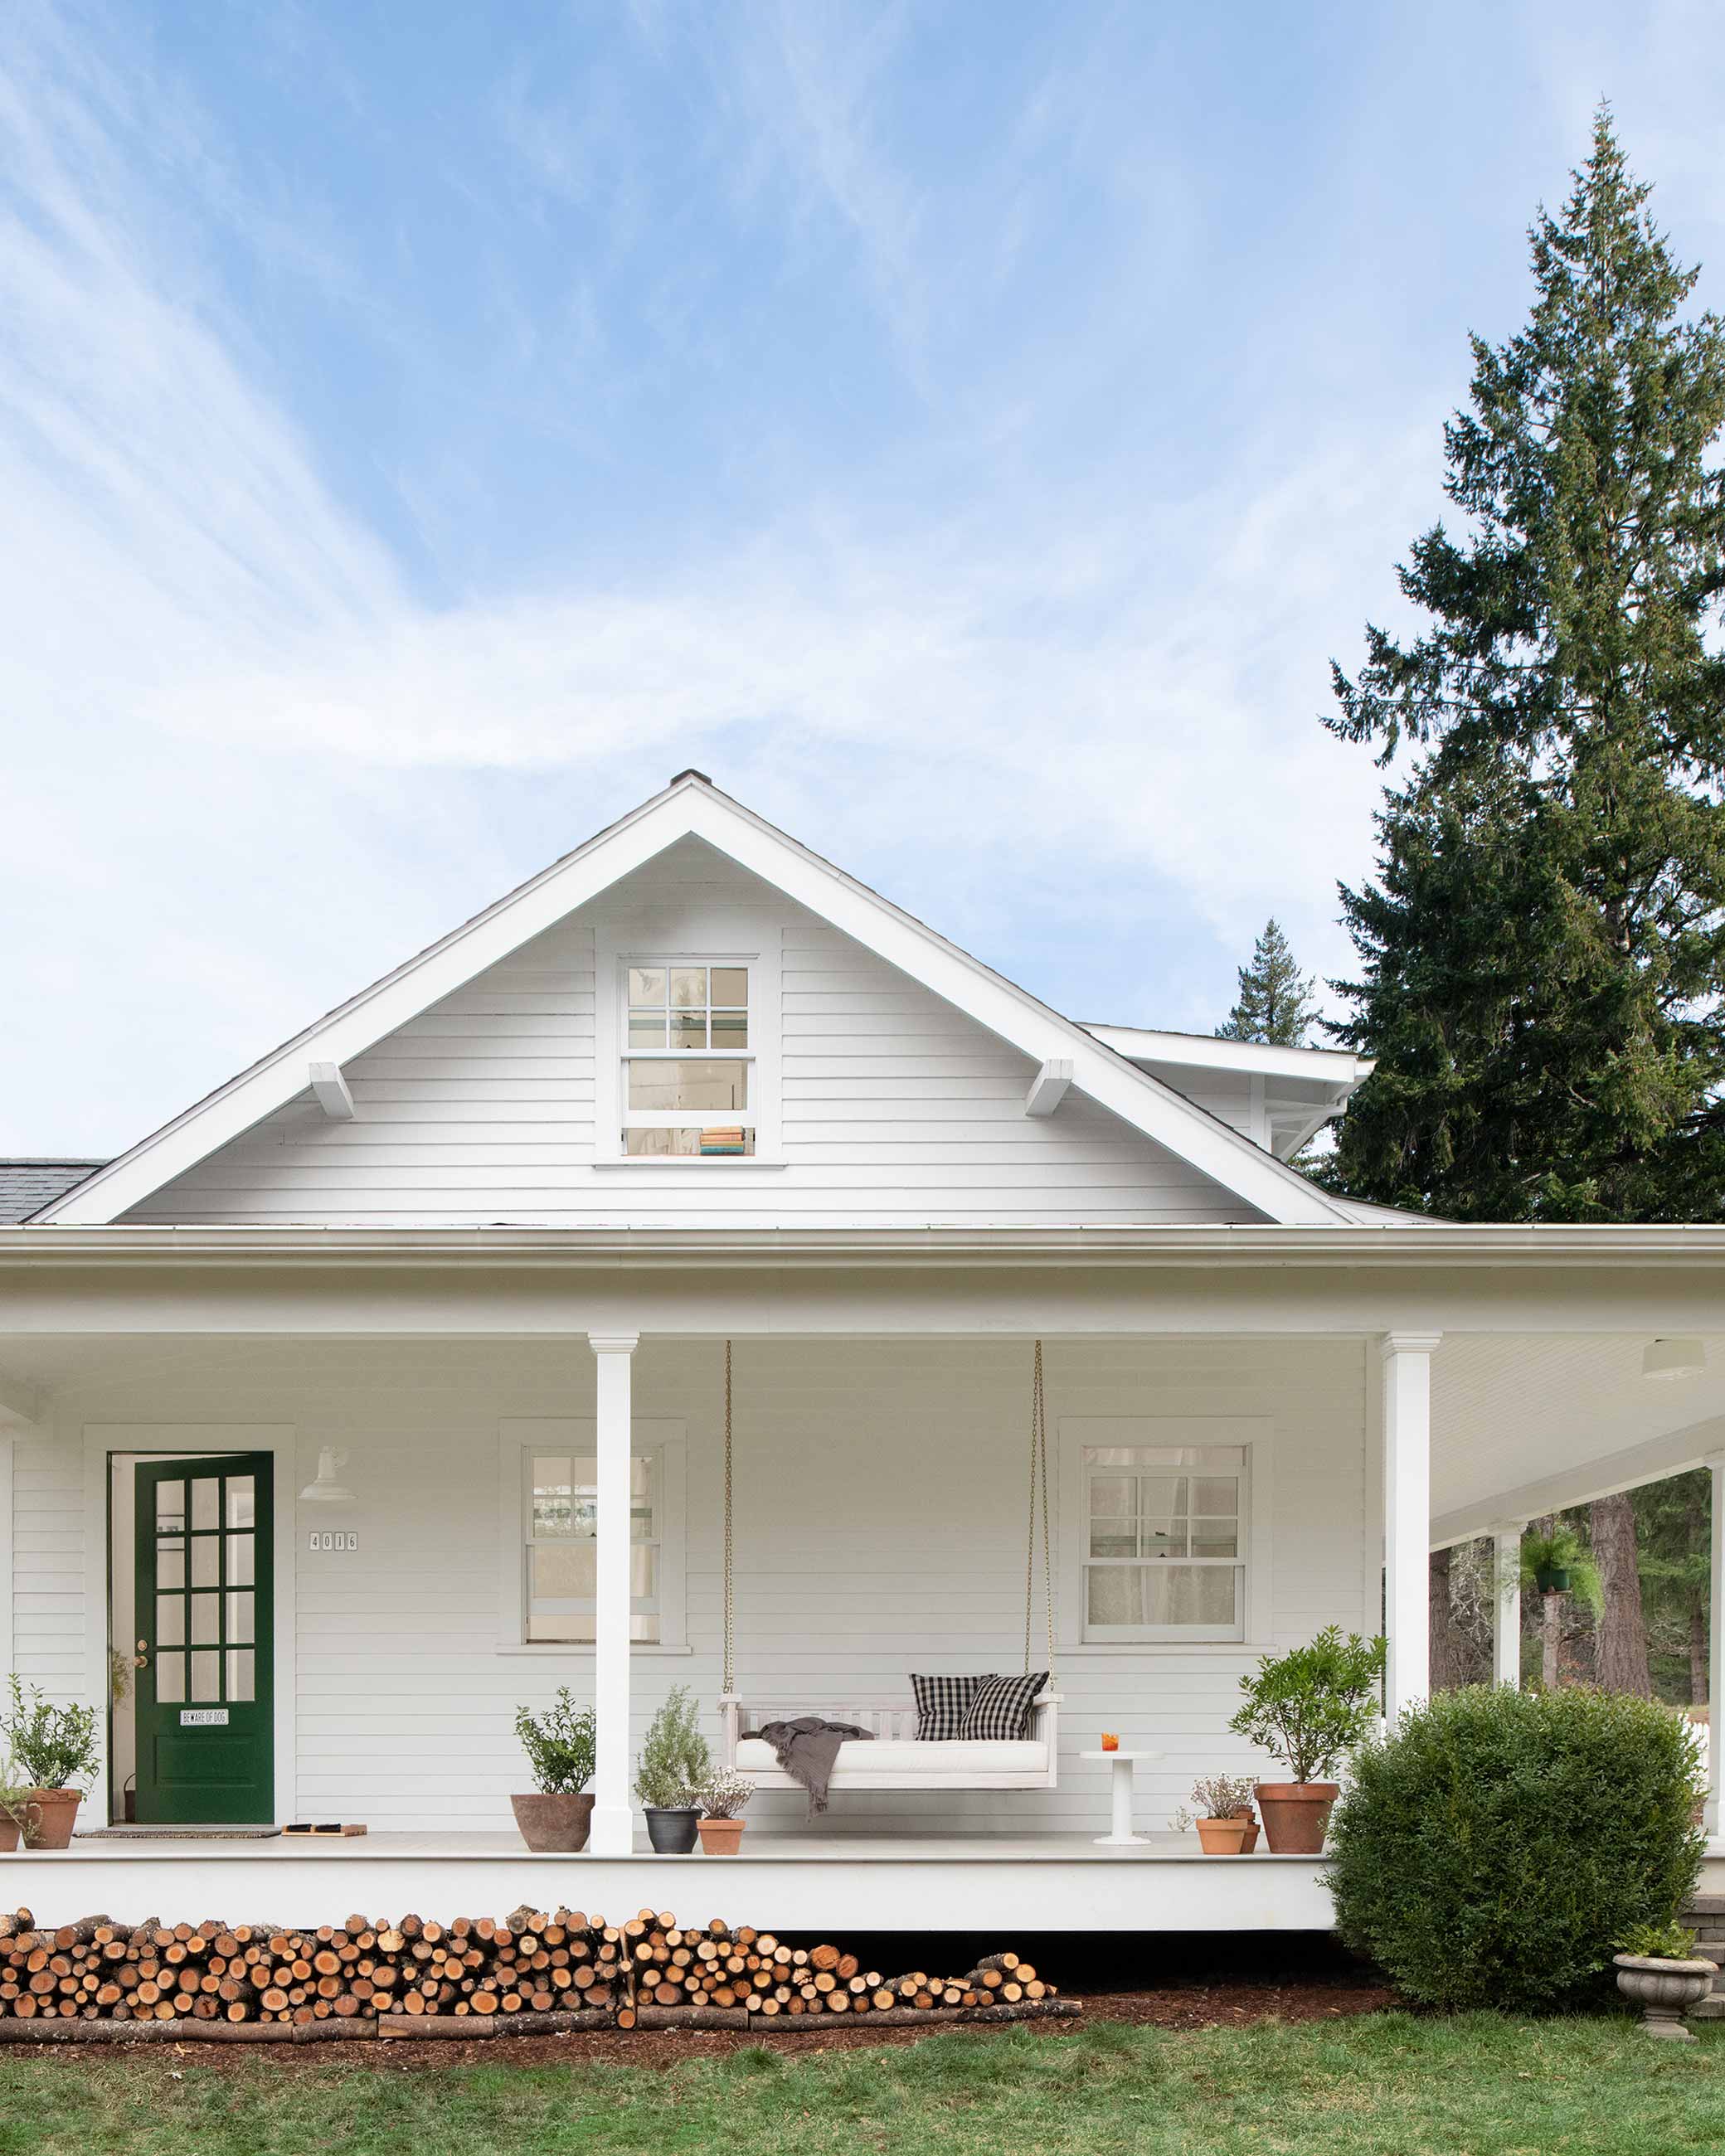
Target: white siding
897 1110
879 1495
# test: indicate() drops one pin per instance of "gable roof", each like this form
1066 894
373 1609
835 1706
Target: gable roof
692 806
26 1186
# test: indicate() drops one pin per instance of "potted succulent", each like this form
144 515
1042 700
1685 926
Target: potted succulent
1309 1707
19 1810
1224 1822
560 1745
1556 1564
54 1749
670 1769
721 1797
1658 1968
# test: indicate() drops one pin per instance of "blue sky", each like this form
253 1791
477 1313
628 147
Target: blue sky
966 431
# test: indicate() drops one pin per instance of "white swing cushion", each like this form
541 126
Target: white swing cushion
895 1758
860 1765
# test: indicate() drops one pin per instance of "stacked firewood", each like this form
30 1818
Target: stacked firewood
534 1971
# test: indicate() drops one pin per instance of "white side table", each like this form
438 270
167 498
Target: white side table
1120 1834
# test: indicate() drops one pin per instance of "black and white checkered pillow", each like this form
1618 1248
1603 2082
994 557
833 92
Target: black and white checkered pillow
1000 1706
942 1705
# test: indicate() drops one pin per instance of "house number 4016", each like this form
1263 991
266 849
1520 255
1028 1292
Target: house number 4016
339 1538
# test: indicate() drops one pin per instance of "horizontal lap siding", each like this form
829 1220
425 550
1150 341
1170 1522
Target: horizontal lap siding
880 1530
896 1109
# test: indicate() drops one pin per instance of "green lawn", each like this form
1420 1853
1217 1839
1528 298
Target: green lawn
1385 2082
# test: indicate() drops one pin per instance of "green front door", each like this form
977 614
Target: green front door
203 1634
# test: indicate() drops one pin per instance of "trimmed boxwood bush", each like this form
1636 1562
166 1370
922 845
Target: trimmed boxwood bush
1496 1848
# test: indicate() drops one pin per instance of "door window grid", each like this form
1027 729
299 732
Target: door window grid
204 1644
688 1061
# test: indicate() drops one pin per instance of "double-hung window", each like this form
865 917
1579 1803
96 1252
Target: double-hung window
561 1496
1166 1533
688 1061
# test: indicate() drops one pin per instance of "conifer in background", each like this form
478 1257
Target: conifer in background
1275 1001
1543 954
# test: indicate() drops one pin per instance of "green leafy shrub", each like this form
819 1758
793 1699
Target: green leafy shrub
674 1757
560 1745
1313 1706
1494 1850
53 1747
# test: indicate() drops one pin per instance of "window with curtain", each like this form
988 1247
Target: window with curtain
1166 1535
560 1506
688 1061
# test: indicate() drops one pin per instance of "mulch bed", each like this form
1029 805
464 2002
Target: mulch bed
1225 2004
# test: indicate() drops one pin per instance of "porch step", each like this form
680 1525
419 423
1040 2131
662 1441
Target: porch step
1711 2009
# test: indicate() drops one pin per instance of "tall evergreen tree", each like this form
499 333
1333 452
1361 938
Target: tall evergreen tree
1275 1001
1543 956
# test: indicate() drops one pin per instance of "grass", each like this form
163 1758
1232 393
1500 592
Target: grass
1486 2085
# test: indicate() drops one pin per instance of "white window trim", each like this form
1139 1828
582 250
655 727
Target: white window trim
613 956
516 1438
1255 1434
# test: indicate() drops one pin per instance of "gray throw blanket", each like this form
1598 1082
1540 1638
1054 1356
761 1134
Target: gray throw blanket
807 1748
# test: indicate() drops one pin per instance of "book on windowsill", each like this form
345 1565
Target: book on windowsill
727 1138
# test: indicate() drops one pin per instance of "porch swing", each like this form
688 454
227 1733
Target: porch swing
895 1758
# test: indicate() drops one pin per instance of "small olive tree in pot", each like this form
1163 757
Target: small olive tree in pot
55 1751
1310 1707
560 1745
675 1761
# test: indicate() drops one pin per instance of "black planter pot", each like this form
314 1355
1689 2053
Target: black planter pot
672 1832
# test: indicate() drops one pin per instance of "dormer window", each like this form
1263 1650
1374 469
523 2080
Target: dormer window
689 1061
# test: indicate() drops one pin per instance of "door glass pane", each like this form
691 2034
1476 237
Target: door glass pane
170 1620
170 1508
1115 1594
206 1619
239 1561
206 1674
170 1679
646 984
241 1682
206 1560
169 1564
687 1087
241 1501
239 1619
206 1500
730 984
688 987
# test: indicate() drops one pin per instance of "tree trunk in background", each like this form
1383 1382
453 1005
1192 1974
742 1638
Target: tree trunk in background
1445 1658
1622 1650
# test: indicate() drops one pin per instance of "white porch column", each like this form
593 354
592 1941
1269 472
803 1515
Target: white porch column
1716 1650
1506 1606
612 1817
1407 1516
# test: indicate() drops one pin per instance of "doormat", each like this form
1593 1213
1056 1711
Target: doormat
181 1833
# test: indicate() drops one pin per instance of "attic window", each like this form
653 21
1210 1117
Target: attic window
688 1076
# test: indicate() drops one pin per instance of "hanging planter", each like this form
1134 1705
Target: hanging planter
1552 1579
1558 1563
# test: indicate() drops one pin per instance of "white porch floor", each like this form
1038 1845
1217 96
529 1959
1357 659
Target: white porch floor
956 1883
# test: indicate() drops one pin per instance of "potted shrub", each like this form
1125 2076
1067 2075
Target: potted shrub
672 1764
53 1750
560 1748
1224 1822
1309 1707
721 1797
1657 1967
1556 1564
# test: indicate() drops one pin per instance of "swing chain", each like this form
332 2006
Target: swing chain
1039 1480
730 1624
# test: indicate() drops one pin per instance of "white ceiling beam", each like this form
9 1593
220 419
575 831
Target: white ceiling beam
331 1088
1672 1453
1049 1087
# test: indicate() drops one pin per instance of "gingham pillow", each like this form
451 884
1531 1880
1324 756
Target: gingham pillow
942 1705
1000 1706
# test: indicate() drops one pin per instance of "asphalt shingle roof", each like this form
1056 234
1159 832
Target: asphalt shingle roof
26 1186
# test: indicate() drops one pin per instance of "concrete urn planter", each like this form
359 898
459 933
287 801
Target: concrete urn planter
1665 1990
554 1824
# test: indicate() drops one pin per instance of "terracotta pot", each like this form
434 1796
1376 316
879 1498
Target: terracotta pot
1665 1990
1297 1815
55 1811
559 1824
671 1828
720 1837
8 1833
1251 1838
1222 1837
